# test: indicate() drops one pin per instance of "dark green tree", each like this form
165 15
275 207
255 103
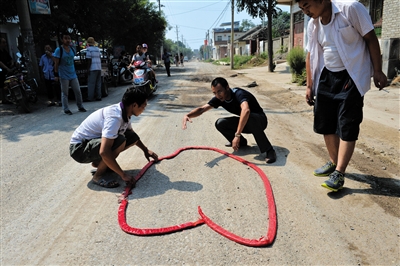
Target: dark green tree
281 24
111 22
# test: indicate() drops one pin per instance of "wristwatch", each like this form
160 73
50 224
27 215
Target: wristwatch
238 135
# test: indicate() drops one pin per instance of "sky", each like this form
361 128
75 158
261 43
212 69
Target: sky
191 19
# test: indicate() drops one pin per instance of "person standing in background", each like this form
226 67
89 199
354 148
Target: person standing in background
46 64
167 61
64 70
93 57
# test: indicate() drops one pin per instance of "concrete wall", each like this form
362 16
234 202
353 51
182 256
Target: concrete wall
390 39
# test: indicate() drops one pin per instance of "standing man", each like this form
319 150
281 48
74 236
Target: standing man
93 57
64 71
167 61
250 117
107 132
343 54
46 64
6 63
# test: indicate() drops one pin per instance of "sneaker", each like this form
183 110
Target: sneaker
270 156
51 104
335 181
82 109
68 112
325 170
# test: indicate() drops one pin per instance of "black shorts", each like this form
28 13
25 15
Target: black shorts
89 150
338 106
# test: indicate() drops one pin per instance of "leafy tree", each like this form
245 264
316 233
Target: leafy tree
112 22
281 24
246 25
261 8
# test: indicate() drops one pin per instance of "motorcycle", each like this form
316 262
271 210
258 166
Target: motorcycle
141 78
120 72
21 91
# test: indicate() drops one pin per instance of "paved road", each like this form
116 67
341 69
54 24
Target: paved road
51 214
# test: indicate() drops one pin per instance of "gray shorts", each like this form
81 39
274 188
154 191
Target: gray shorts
89 150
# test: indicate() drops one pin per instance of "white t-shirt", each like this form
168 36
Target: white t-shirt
93 52
106 122
331 55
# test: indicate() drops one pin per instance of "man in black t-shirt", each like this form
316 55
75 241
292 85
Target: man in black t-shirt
250 117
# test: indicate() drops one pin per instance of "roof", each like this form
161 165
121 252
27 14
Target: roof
254 33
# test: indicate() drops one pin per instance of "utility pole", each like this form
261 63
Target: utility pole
161 48
232 33
177 38
27 36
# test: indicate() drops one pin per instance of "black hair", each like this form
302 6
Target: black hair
134 95
223 82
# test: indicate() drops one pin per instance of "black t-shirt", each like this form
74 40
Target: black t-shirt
238 97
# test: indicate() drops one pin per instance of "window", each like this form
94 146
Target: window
219 38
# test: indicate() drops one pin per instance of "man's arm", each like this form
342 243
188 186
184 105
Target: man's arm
371 40
244 117
56 64
309 91
195 113
147 153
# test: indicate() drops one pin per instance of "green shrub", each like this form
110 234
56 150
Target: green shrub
296 59
264 55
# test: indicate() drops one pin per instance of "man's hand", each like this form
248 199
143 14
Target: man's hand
380 80
129 180
309 96
151 154
185 119
236 143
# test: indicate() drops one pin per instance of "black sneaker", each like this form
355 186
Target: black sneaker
82 109
335 181
325 170
68 112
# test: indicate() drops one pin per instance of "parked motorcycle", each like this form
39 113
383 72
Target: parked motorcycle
19 90
141 78
120 72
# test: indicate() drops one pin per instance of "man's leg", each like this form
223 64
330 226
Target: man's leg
256 125
346 149
98 85
91 85
332 144
77 91
227 126
102 166
64 83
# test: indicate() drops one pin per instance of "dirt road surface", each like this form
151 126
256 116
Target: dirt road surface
52 214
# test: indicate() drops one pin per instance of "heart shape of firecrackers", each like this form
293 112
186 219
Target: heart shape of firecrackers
263 241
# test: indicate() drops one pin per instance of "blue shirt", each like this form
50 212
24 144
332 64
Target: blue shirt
47 65
66 68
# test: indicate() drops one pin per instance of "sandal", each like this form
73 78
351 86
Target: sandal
106 183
